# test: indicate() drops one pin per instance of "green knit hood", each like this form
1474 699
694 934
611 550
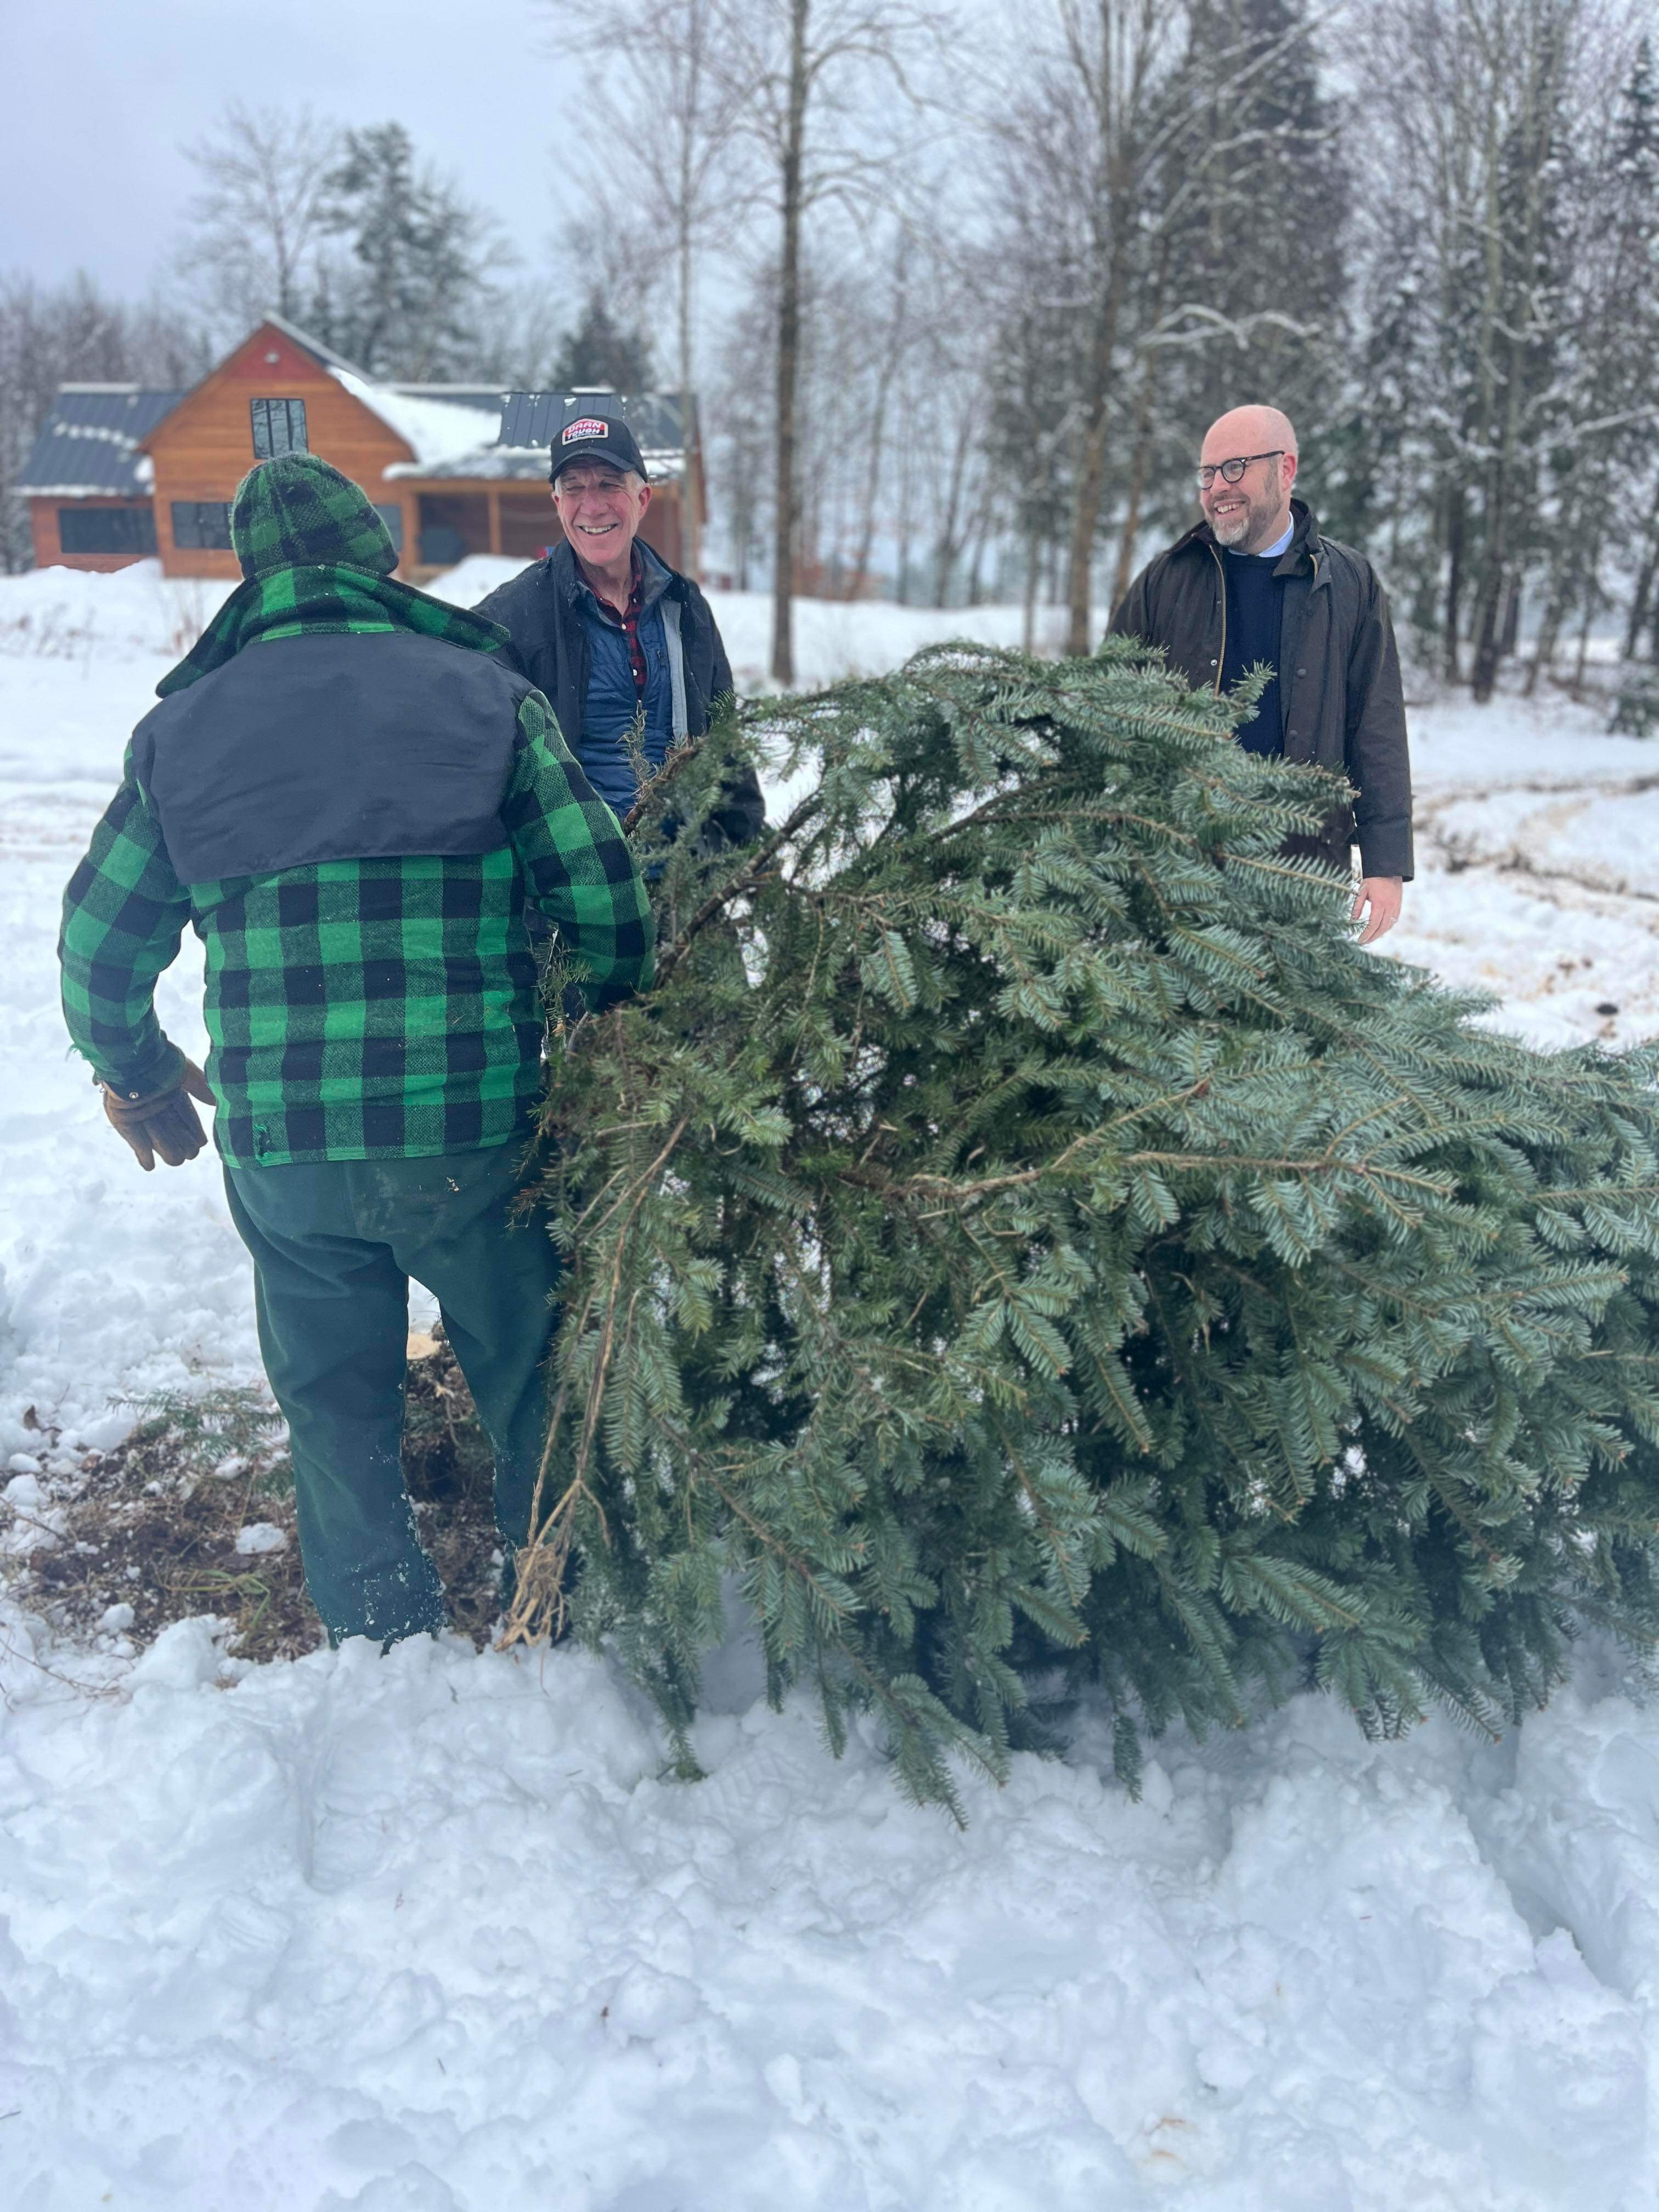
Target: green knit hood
297 511
316 557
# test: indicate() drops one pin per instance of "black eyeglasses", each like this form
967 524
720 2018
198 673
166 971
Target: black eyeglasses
1232 471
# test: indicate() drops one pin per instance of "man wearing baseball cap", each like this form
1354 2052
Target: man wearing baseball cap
610 633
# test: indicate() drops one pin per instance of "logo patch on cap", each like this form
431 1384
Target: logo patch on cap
589 426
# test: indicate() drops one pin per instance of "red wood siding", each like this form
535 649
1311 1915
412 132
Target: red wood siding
205 447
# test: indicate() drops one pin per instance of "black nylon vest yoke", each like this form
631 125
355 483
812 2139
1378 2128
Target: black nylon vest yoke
331 747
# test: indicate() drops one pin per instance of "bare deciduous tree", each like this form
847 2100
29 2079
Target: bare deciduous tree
664 95
1140 127
73 333
814 84
1115 57
261 216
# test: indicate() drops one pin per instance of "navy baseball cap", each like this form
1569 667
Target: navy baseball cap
589 432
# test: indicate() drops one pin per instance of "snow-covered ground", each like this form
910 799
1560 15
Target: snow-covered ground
432 1933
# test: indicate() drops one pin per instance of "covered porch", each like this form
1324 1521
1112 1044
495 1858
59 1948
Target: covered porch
498 502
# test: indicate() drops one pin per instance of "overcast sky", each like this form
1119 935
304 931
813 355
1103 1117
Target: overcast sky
100 94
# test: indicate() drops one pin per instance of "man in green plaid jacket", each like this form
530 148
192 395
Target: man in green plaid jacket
353 800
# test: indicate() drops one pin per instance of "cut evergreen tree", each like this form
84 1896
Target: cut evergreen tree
1026 1241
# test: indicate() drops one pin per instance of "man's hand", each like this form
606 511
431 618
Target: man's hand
1382 895
165 1122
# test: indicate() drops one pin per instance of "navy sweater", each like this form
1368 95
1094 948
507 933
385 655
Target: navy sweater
1255 605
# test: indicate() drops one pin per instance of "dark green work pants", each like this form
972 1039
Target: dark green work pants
334 1244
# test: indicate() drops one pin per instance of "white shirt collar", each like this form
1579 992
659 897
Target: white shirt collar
1268 552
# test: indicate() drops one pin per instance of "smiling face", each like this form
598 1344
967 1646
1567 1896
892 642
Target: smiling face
601 508
1254 512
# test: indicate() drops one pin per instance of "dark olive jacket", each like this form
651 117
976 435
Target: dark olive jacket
1339 671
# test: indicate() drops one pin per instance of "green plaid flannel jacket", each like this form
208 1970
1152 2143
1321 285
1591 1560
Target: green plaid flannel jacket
356 1009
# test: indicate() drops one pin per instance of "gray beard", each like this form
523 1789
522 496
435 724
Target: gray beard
1229 533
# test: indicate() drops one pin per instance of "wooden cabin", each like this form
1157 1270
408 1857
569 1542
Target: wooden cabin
119 474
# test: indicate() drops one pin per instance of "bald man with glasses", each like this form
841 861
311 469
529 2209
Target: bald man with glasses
1255 581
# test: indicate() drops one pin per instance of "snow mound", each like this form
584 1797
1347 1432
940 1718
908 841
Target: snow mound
75 615
468 581
431 1930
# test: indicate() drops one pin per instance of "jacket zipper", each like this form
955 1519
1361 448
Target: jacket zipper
1283 688
1221 658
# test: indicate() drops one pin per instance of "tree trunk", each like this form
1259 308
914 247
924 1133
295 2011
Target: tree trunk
981 533
1488 610
1641 597
1549 633
1456 527
1517 246
1028 627
1592 602
906 523
947 546
685 256
684 212
1126 551
783 553
1582 653
1085 514
878 431
1117 98
1493 550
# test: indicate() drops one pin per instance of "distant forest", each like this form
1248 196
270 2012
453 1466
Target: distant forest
958 300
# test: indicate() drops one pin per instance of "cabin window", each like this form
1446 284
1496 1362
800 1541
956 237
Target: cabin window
392 517
106 529
279 427
202 525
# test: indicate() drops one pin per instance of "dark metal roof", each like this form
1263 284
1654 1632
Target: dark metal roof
658 419
90 443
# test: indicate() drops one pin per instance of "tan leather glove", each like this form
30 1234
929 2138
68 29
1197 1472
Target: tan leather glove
165 1122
